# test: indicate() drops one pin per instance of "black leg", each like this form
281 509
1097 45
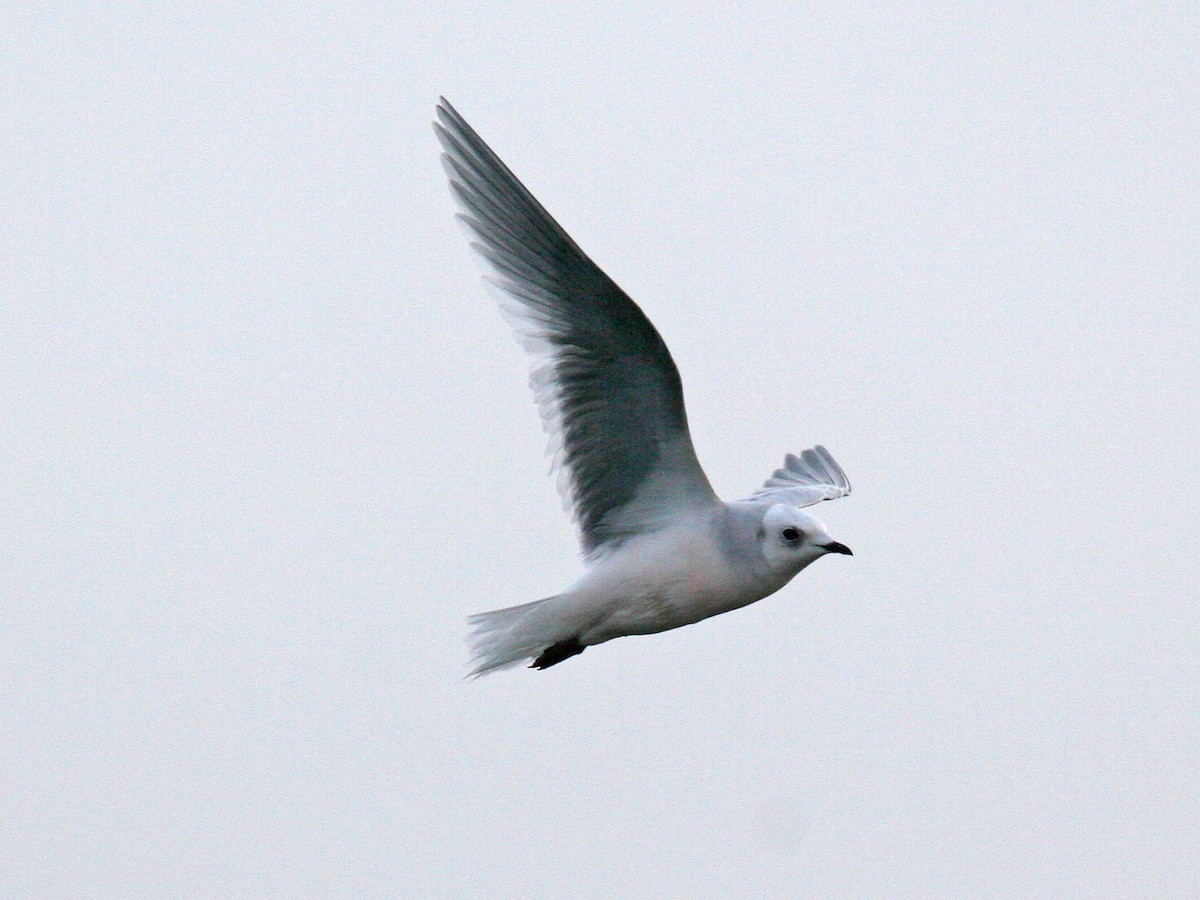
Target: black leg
555 654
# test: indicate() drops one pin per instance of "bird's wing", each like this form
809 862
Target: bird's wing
606 386
806 479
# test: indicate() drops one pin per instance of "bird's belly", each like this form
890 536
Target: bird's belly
683 602
669 580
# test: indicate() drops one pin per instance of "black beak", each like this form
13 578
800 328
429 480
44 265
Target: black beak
835 547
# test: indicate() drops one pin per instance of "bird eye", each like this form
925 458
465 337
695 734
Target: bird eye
790 534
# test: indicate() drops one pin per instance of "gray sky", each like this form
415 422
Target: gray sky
265 442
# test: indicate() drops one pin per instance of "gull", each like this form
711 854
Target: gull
662 550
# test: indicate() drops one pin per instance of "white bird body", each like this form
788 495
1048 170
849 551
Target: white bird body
663 550
665 579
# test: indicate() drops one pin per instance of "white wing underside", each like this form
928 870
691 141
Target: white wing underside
806 479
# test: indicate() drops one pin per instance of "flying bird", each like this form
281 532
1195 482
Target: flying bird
662 550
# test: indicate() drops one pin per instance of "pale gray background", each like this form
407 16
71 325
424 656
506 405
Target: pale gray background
265 443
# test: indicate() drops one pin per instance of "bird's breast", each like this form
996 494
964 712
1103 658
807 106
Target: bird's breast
694 582
665 581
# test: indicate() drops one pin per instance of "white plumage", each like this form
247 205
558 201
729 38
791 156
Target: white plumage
662 549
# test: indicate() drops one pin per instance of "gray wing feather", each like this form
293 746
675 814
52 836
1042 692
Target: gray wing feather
806 479
608 391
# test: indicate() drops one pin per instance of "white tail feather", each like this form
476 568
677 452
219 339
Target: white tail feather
503 638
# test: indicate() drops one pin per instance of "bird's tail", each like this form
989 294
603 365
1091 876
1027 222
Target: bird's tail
504 638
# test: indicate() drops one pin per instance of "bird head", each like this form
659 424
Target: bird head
792 538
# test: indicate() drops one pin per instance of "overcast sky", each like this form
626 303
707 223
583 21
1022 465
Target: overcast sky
265 443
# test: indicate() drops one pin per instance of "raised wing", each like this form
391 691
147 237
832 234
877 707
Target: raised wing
606 386
806 479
